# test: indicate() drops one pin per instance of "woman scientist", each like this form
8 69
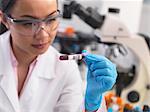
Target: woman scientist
32 78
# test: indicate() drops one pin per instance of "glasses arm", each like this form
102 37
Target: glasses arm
23 21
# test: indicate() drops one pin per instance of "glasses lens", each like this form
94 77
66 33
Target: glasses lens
51 25
24 28
47 25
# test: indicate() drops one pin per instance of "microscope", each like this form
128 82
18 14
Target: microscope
111 38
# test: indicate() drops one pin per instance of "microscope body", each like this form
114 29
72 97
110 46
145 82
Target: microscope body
138 91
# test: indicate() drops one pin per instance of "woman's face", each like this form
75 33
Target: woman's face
22 40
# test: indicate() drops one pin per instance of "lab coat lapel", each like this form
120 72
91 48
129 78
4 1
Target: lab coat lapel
43 73
7 79
7 84
46 66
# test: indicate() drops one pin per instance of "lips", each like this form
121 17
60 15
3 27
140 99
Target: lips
40 46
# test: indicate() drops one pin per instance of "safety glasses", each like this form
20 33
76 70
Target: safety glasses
32 26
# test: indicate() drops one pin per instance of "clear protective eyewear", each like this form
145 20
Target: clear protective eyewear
32 26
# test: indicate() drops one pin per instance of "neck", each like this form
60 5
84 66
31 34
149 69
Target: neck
22 57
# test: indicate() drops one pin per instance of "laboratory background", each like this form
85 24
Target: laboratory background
119 30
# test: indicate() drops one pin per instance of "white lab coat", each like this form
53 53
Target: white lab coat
54 85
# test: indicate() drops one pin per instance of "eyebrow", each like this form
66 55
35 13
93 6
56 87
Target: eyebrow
28 16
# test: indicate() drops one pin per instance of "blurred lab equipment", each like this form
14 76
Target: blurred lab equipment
111 38
116 104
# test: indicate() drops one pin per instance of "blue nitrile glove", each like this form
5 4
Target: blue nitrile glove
101 77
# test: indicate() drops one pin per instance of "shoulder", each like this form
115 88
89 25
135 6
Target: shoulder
4 37
4 41
5 34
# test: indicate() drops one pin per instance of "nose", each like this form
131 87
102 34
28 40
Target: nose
41 32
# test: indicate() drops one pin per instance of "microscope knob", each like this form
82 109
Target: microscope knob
148 87
133 96
146 108
114 10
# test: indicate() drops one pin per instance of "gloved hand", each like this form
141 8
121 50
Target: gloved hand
101 77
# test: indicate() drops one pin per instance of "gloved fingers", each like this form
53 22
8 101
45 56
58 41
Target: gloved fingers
106 82
90 58
103 72
90 75
93 57
101 65
98 72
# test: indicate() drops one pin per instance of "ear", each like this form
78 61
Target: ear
3 20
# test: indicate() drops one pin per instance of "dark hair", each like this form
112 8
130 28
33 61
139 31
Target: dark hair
5 6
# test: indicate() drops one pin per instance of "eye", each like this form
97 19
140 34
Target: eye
27 24
49 21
